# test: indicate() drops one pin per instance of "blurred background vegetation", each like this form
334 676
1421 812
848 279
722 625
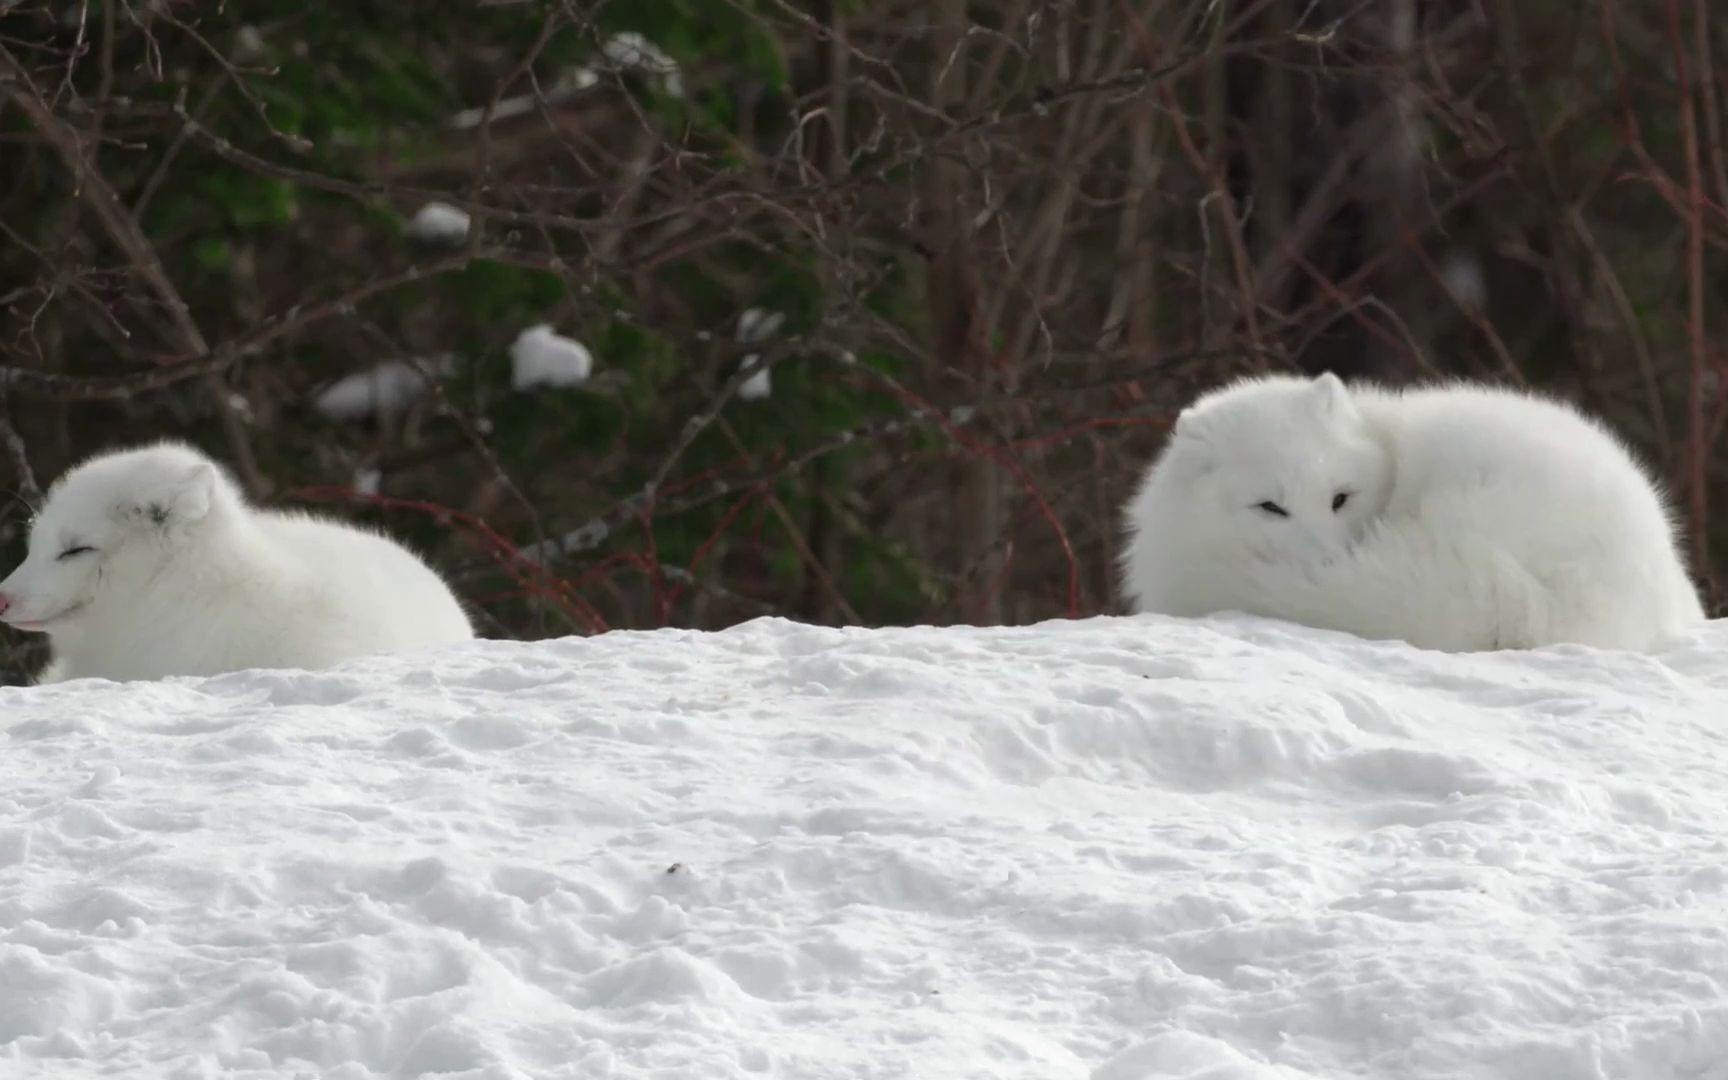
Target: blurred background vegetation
888 303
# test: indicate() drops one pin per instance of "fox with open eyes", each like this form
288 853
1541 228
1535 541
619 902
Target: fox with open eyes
1456 517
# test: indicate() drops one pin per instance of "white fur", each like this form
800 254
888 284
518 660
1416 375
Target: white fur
185 579
1476 518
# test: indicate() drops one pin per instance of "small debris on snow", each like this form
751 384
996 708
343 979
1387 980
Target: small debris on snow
439 222
384 390
541 357
631 50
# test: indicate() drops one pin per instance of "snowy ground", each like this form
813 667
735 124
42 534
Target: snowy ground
1115 849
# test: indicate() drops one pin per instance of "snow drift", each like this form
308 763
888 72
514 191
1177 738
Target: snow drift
1114 849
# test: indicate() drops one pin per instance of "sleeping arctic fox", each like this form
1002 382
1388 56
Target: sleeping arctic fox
148 562
1453 517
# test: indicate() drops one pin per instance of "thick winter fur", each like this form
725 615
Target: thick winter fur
148 562
1454 517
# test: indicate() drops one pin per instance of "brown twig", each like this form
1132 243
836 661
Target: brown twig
123 228
1697 449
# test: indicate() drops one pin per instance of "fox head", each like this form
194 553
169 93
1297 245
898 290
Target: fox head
107 528
1287 467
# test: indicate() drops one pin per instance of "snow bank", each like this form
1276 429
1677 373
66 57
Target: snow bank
1117 849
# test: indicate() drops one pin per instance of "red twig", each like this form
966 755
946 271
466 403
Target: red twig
712 538
1007 461
1217 189
534 578
1062 435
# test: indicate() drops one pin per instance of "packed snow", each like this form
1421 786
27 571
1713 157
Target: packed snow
1116 849
542 357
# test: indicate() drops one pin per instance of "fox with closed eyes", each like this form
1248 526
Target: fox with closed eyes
148 562
1459 517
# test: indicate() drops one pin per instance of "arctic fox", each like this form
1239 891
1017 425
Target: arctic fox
147 562
1453 517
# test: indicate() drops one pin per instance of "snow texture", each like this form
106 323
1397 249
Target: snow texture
384 390
439 222
1116 849
540 357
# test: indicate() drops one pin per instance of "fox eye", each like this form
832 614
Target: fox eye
1273 508
1339 500
74 551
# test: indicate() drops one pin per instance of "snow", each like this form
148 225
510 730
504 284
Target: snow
248 44
756 325
566 86
1116 849
631 50
439 222
1461 273
384 390
540 357
757 386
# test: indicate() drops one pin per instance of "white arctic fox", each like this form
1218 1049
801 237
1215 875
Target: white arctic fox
1453 517
148 562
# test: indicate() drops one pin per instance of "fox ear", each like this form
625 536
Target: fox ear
1196 458
1330 391
180 498
1188 425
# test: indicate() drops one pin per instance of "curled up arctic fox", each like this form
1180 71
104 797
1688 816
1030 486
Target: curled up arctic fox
148 562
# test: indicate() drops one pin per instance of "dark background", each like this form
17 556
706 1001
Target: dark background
1009 238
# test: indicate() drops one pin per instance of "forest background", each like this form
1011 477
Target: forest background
881 307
